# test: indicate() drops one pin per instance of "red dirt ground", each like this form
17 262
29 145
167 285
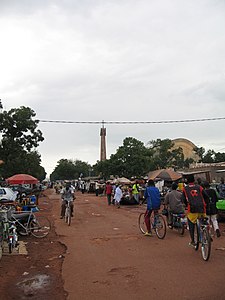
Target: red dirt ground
38 274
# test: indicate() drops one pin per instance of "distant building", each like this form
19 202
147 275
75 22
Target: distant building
187 147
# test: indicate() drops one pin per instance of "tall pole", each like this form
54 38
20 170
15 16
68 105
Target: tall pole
103 143
1 107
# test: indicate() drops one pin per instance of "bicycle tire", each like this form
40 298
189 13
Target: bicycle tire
206 244
69 216
21 231
141 223
66 215
40 227
160 226
197 236
69 219
10 245
1 252
180 227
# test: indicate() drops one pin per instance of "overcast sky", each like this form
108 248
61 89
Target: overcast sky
118 60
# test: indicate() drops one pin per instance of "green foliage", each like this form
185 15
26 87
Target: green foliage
131 159
219 157
200 152
164 155
19 140
67 169
208 157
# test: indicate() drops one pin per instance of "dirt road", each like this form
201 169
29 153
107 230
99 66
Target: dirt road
108 258
102 255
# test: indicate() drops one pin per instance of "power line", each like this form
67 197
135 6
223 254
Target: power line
133 122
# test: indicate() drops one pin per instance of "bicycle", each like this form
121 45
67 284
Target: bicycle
27 223
68 211
203 237
8 231
157 222
12 236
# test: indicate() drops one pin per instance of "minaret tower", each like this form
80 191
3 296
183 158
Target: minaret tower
103 143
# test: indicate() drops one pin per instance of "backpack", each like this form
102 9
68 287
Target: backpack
195 199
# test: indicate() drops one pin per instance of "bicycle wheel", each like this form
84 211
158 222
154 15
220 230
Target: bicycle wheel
69 216
66 215
10 245
141 223
22 230
160 226
180 227
206 244
197 235
40 227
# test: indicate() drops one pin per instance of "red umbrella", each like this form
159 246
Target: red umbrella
21 179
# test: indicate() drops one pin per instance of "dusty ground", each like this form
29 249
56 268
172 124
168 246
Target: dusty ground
36 275
102 255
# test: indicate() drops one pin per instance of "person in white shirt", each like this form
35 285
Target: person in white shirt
118 195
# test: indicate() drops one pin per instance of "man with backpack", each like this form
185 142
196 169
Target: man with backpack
195 199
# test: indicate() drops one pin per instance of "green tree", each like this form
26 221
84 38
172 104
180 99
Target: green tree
68 169
164 155
130 159
19 140
209 156
200 152
219 157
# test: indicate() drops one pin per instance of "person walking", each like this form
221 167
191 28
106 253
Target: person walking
135 191
118 195
211 210
96 188
108 191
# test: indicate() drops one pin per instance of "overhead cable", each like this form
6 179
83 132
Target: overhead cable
133 122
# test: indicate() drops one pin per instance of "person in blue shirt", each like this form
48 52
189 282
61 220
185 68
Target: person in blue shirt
152 196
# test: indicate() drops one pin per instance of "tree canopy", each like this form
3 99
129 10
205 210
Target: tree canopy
133 158
19 141
130 159
68 169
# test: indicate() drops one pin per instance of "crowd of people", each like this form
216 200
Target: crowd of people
197 198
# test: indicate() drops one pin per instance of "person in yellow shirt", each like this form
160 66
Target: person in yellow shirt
135 191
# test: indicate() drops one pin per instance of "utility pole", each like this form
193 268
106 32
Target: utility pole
103 143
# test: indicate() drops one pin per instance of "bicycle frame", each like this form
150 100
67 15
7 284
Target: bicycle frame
26 228
203 237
